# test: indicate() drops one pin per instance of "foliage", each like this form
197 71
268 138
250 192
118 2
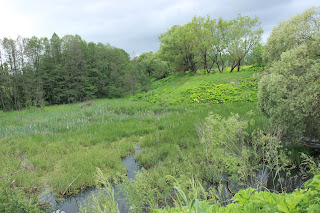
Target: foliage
229 151
289 95
300 29
245 33
255 57
204 42
200 88
252 200
37 71
14 200
223 93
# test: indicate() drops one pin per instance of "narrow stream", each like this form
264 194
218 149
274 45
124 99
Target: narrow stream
72 203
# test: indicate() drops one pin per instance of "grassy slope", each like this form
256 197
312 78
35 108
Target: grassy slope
63 141
201 88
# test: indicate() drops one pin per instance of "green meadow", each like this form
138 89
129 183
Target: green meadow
207 132
57 144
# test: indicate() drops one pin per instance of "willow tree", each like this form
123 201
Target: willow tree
179 46
301 29
290 94
244 33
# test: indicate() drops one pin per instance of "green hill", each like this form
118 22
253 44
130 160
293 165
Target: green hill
210 88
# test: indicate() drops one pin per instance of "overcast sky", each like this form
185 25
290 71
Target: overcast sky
133 25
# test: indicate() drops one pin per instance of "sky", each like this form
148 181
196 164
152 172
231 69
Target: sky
133 25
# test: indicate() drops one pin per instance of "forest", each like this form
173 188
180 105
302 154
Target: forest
214 121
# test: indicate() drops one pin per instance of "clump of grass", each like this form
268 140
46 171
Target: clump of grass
104 199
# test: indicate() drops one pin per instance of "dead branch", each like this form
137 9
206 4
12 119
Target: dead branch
12 173
229 189
30 187
70 184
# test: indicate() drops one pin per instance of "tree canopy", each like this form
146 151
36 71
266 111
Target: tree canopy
35 71
204 42
289 95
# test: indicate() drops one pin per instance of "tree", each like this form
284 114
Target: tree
217 41
300 29
255 55
179 47
201 27
245 33
203 42
33 85
35 70
74 70
11 55
4 85
289 95
51 69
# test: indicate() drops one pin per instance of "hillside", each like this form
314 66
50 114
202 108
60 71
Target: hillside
213 88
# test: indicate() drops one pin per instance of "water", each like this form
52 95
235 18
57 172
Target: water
71 204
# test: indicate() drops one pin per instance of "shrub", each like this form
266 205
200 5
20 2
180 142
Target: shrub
289 95
230 151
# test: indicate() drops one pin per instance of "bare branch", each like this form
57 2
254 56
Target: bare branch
70 184
12 173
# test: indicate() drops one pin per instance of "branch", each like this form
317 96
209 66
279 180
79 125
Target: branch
12 173
70 184
229 189
29 187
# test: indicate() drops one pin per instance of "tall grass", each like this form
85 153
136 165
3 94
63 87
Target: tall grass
63 141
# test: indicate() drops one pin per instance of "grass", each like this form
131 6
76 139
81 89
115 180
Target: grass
204 88
63 141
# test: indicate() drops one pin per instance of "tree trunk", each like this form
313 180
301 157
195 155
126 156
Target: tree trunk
239 64
222 65
2 100
205 66
218 67
233 66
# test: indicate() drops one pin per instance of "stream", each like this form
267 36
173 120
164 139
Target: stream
71 204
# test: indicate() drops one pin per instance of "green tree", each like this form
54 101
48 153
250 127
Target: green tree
218 41
179 46
5 88
51 69
255 56
12 67
289 95
300 29
245 33
33 85
201 27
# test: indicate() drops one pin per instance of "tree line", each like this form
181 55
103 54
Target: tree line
46 71
205 42
41 71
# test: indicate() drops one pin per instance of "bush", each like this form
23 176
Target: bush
289 95
13 200
231 151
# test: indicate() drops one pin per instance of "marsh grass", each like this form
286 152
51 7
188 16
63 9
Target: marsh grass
63 141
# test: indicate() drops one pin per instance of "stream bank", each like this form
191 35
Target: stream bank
71 204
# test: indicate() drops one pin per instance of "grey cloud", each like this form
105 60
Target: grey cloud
135 25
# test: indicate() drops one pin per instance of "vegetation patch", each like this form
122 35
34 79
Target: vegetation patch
215 88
